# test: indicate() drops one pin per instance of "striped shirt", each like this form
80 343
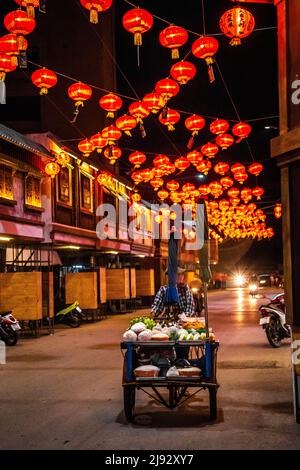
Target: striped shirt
186 301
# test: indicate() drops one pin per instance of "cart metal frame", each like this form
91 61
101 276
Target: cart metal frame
177 386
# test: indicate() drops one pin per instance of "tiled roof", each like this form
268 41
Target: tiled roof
21 141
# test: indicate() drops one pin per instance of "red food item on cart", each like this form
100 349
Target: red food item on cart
146 371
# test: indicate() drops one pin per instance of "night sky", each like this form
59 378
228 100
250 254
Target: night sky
250 72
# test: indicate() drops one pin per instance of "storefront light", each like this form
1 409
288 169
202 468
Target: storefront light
5 239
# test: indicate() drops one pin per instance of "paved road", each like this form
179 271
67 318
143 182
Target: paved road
64 391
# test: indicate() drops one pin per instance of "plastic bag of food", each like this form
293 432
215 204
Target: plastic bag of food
130 335
138 327
172 372
145 335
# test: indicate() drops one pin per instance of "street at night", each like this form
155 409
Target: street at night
68 395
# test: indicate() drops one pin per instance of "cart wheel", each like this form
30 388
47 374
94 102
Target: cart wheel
213 403
129 401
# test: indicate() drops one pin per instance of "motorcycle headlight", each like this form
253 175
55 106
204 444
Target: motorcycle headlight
253 287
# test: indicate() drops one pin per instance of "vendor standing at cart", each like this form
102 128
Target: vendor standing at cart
185 297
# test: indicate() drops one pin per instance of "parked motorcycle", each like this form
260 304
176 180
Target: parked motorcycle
273 321
198 295
9 328
71 315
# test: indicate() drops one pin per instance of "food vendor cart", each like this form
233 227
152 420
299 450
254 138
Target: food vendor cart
196 347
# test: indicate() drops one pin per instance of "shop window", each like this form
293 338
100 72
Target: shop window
64 186
33 195
86 192
6 184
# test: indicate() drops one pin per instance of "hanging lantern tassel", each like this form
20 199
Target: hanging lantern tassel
128 133
211 74
175 53
22 60
164 113
14 60
110 115
94 16
142 129
138 41
20 42
171 128
191 140
30 11
2 91
42 8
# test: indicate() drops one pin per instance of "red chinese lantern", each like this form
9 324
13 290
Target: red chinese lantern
136 197
167 88
246 194
112 153
154 101
95 7
241 130
5 66
216 188
169 168
204 190
237 23
210 150
85 147
204 167
137 159
156 183
139 110
9 45
63 159
126 123
44 79
224 141
30 5
278 211
188 187
161 160
183 72
111 103
258 192
52 169
146 174
233 192
137 177
255 168
158 172
98 142
224 205
194 157
219 126
226 182
18 22
104 178
240 176
172 117
172 185
234 201
205 48
194 124
137 22
79 92
162 194
112 134
221 168
181 163
238 168
173 37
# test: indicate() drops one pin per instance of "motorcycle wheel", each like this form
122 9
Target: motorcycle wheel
273 333
13 337
74 322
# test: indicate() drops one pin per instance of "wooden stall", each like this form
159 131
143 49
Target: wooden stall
102 286
29 295
145 283
133 283
84 288
118 282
